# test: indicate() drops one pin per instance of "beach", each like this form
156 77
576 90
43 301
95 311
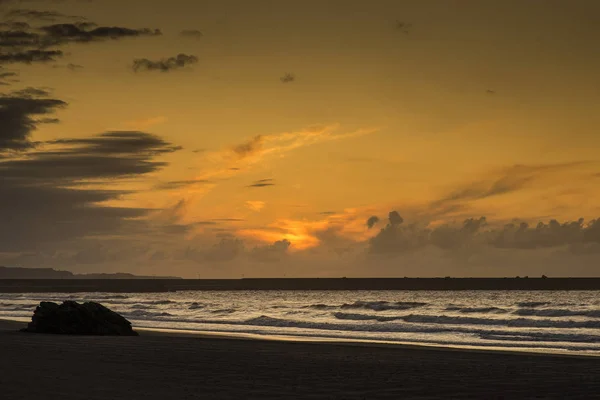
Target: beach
171 366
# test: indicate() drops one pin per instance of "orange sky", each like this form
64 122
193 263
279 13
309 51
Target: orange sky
463 109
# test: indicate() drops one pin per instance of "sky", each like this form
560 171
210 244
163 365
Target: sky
236 138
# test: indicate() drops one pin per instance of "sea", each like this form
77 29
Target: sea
532 321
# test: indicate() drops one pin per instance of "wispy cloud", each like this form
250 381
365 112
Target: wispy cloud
255 205
240 158
262 183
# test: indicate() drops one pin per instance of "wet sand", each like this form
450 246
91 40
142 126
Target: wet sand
164 366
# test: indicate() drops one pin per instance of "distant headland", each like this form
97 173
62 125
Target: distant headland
49 273
120 283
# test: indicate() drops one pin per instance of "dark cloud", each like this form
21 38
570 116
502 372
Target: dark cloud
372 221
179 184
20 39
22 44
38 15
248 148
15 25
476 232
42 199
165 64
395 238
552 234
227 249
105 156
395 218
30 56
80 33
5 75
262 183
287 78
451 237
18 112
191 33
119 143
271 253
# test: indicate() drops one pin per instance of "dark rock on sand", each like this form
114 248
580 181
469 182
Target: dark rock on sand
72 318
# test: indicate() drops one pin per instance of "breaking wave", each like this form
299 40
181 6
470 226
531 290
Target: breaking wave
532 304
383 305
468 310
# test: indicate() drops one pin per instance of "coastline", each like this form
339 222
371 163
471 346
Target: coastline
159 365
16 324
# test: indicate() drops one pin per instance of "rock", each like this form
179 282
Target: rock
72 318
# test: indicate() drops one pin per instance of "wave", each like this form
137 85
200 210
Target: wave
383 305
518 322
195 306
103 297
224 311
557 313
539 337
364 317
451 320
532 304
467 310
321 306
144 313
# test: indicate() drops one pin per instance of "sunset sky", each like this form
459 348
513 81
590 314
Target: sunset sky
231 138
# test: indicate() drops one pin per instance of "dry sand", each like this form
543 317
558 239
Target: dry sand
48 367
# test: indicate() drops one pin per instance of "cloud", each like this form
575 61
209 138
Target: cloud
372 221
255 205
106 155
45 198
262 183
287 78
506 180
395 218
30 56
226 249
479 233
18 112
165 64
274 252
20 43
8 75
63 33
195 33
249 147
180 184
38 15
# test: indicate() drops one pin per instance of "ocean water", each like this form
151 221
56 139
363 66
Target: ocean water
546 321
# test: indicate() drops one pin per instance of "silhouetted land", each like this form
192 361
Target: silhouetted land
50 273
169 285
148 367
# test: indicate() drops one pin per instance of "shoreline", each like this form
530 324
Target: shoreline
16 324
162 366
